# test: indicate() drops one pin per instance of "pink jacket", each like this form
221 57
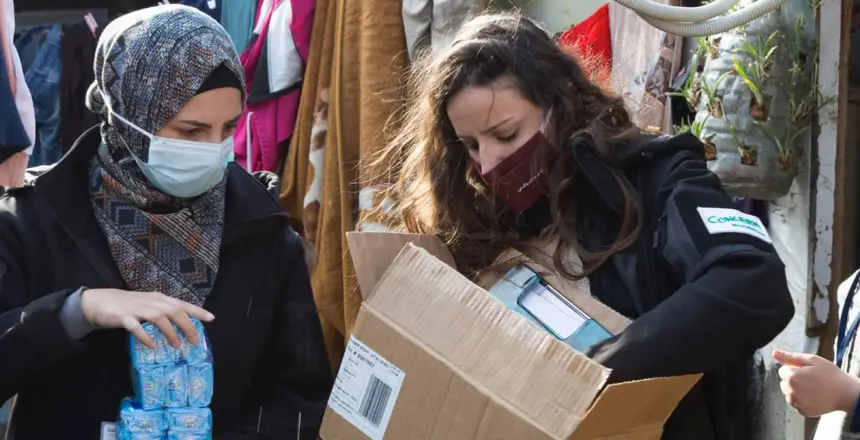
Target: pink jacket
274 66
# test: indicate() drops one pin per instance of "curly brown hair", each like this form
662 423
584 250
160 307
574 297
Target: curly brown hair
436 191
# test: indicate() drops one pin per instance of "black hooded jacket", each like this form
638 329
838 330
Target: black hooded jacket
703 283
270 364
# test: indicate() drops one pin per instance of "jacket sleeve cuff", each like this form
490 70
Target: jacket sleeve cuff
72 317
854 425
41 323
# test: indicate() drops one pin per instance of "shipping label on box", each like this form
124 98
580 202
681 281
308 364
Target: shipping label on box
366 389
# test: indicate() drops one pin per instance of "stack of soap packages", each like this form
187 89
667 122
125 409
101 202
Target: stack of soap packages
172 389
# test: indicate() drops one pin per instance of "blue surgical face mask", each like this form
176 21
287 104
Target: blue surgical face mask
183 168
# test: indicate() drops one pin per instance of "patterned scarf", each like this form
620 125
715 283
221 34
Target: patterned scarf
148 65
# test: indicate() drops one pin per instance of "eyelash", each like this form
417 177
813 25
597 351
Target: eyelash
509 138
471 146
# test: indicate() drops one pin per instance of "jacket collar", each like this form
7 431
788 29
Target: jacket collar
646 149
250 210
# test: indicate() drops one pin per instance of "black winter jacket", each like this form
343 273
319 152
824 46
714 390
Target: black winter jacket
702 282
269 357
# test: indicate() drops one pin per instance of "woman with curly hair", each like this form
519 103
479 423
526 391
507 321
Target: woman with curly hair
506 141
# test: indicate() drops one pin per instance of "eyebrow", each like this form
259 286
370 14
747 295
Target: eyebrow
200 124
485 131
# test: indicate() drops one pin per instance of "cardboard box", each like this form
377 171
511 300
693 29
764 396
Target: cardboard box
434 356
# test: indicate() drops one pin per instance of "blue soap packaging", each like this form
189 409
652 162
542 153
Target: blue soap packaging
172 377
191 420
201 383
135 420
173 435
127 435
150 386
172 389
141 355
164 353
195 354
176 384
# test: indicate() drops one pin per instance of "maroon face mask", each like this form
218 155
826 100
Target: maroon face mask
522 178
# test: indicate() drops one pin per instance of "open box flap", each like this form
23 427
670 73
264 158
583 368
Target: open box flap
373 252
631 407
512 359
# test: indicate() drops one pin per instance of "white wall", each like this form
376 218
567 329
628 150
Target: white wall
556 15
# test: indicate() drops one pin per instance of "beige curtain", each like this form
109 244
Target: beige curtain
352 88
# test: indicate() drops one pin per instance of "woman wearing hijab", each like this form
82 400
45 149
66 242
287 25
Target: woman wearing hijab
146 219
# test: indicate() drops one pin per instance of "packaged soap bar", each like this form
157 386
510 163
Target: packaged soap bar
173 435
201 382
134 419
176 384
141 355
194 354
164 353
128 435
527 293
150 386
195 420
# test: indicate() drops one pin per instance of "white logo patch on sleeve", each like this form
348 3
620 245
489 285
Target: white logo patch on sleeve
732 221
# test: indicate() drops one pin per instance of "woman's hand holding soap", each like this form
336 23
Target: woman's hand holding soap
114 308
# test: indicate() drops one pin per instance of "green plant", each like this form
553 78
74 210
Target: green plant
795 50
702 45
697 126
785 143
691 90
761 54
737 7
684 127
749 156
708 45
715 98
805 102
758 106
815 7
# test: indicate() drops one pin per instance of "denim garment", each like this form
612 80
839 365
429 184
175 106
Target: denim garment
43 79
13 136
211 8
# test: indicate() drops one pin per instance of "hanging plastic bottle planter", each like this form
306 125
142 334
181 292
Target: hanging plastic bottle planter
755 98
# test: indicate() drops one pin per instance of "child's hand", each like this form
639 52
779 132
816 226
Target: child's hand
815 386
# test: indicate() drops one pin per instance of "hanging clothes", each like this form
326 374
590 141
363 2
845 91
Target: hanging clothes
13 164
354 76
13 136
591 43
23 98
40 55
237 17
78 50
642 55
211 8
655 110
274 66
431 22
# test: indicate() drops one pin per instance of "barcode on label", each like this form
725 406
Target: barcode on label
375 401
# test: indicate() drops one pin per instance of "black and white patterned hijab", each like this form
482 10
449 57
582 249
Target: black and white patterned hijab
148 65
